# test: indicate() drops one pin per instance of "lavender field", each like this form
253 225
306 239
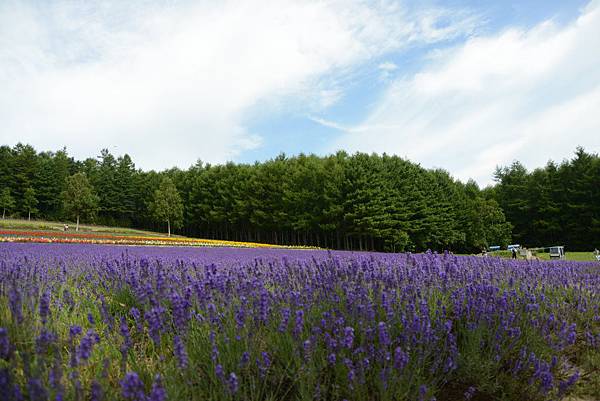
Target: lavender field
87 322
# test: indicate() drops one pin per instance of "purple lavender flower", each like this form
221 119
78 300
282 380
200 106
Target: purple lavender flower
4 344
470 393
264 365
127 343
348 337
244 359
572 336
158 393
74 331
16 305
45 306
564 385
181 311
155 322
87 343
546 381
96 393
264 307
137 317
43 341
400 359
299 323
219 372
384 336
232 383
307 347
106 316
56 373
240 317
132 387
331 358
180 352
36 390
422 392
285 318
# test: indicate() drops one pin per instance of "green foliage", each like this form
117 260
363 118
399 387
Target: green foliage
30 202
6 201
342 201
483 363
79 199
554 205
167 206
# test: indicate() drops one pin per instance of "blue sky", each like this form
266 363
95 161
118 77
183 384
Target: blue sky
461 85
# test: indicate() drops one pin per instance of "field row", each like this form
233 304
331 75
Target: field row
149 323
105 238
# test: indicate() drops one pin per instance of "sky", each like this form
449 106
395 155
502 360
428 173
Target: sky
461 85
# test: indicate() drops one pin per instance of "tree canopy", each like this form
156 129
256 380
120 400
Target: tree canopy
6 201
30 202
79 199
558 204
167 206
341 201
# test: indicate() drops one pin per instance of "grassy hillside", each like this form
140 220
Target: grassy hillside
41 225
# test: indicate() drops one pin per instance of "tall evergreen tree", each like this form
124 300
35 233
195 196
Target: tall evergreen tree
24 168
125 189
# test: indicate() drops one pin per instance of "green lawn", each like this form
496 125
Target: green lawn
577 256
41 225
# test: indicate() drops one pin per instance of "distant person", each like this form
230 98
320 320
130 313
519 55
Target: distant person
514 253
66 227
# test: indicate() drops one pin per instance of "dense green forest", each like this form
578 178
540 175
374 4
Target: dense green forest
557 204
340 201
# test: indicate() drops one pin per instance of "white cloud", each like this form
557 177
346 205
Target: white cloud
528 95
387 66
170 82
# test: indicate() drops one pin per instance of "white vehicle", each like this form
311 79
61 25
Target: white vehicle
557 252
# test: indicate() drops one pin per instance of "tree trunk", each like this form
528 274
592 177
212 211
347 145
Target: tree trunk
77 226
168 228
3 213
29 215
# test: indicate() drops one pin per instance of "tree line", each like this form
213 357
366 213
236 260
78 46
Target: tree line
342 201
558 204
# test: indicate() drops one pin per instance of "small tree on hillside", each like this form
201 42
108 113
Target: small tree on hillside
6 201
167 206
78 198
30 202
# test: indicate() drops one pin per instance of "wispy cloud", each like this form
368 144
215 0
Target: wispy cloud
387 66
329 124
169 82
521 94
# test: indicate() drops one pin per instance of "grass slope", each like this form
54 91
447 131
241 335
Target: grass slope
575 256
41 225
